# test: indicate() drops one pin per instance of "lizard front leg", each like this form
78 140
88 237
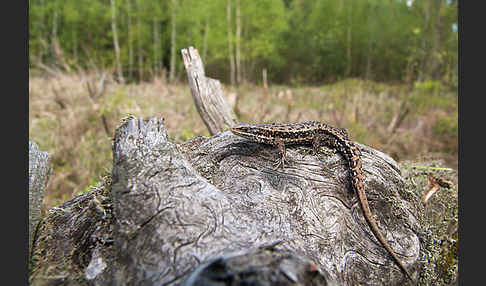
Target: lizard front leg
281 148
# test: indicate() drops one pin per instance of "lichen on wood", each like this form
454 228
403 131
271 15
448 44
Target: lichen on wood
70 236
438 219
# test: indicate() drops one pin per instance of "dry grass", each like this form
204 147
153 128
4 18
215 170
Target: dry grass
70 124
73 119
395 119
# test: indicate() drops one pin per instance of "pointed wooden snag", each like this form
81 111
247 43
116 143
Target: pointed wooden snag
207 94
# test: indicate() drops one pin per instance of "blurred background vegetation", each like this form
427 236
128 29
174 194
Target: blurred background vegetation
297 41
386 70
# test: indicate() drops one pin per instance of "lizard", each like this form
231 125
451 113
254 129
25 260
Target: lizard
318 134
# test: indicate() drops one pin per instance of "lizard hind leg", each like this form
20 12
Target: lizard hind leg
322 139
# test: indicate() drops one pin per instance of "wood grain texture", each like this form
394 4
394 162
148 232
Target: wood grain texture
319 134
223 195
39 172
175 210
207 94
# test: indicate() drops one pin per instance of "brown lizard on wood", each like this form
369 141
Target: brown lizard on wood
317 134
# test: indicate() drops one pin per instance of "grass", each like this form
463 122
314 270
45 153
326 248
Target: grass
74 120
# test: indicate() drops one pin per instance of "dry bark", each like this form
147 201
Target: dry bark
39 172
207 94
213 209
173 36
74 243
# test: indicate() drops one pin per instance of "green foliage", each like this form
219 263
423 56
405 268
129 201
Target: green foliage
447 125
432 94
186 134
297 41
111 103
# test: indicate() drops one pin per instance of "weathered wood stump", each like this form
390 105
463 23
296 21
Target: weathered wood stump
213 209
207 94
39 172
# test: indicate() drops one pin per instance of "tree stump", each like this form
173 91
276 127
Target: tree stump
214 208
39 172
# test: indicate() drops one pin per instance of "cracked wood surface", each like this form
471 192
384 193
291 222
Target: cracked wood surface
221 195
207 94
181 214
39 172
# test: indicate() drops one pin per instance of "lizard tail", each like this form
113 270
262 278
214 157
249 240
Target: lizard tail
367 214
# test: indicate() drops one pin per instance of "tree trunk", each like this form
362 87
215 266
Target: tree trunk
172 72
422 73
54 25
238 42
435 60
53 40
371 46
139 43
74 38
115 41
349 43
130 39
156 46
42 29
264 78
231 55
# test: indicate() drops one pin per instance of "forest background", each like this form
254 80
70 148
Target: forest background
386 70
